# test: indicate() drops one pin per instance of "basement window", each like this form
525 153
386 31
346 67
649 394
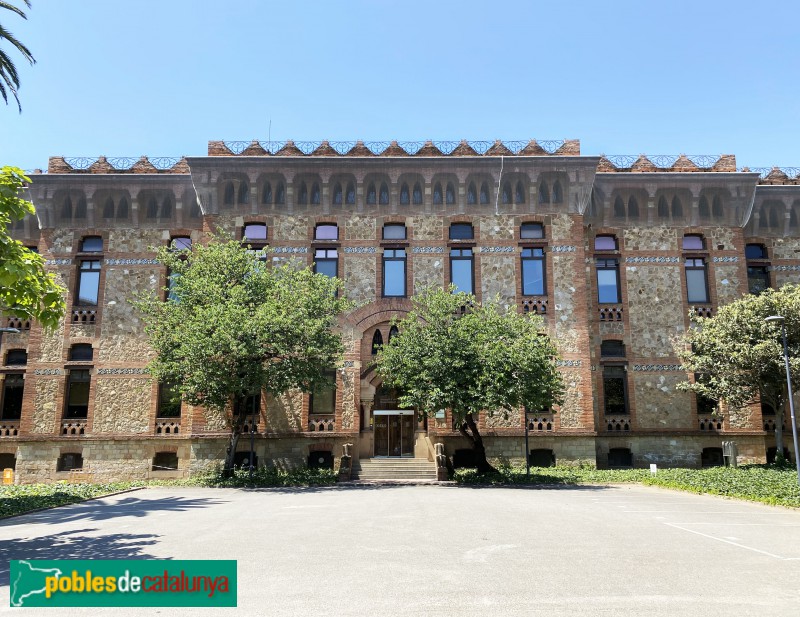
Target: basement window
165 461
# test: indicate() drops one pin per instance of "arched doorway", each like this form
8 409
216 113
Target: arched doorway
393 427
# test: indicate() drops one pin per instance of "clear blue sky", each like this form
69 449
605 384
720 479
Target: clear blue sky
162 77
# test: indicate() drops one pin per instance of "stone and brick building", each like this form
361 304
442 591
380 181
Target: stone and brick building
613 252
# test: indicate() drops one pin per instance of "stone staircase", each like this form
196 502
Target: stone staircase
393 469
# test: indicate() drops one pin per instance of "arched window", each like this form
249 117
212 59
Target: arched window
633 208
244 193
315 194
519 193
416 195
267 194
544 193
80 209
383 197
558 194
151 211
122 208
108 209
302 195
703 207
450 194
716 207
350 197
506 195
372 195
663 208
280 194
377 341
793 217
677 207
773 217
337 194
437 194
229 194
484 196
66 208
166 208
619 208
472 195
405 197
393 331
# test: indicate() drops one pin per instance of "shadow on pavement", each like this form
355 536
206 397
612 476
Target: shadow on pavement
97 510
75 545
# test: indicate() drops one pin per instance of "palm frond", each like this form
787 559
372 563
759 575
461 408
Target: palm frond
14 9
21 48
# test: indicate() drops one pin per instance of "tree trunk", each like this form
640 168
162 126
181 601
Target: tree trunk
233 440
779 433
478 448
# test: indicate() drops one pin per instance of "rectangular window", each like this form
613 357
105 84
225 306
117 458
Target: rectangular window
531 231
394 273
461 271
696 288
705 405
181 243
323 396
533 272
608 281
249 405
92 244
78 394
326 261
13 386
326 232
394 231
757 279
169 401
615 397
461 231
88 283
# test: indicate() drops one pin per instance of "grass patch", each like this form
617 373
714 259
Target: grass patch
20 498
766 484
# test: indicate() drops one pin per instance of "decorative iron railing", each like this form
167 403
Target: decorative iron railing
386 147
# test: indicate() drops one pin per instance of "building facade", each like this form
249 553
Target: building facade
612 252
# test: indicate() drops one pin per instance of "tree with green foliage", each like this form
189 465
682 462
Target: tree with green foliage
454 353
737 357
27 291
234 325
9 78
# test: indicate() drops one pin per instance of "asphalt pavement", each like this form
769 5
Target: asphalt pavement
441 550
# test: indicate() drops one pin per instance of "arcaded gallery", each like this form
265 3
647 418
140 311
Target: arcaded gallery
613 252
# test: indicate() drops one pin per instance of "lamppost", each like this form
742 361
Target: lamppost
782 320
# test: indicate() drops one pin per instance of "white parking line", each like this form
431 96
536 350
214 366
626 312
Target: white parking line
725 541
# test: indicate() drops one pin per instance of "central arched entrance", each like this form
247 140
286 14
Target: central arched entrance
393 427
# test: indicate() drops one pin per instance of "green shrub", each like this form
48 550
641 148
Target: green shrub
19 498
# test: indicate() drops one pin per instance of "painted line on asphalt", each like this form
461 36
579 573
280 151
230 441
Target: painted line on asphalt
737 544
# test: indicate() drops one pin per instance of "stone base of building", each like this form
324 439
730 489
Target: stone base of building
137 458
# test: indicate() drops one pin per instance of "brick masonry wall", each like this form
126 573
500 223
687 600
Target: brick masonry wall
653 307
